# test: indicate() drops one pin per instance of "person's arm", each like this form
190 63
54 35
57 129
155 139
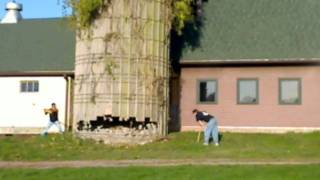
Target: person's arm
51 110
201 124
46 111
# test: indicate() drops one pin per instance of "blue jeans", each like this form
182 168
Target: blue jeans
56 123
211 131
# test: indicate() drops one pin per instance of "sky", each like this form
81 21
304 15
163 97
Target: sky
36 8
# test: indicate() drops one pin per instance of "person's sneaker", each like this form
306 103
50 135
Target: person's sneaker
216 144
205 144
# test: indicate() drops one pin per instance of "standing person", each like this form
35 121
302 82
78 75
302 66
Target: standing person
53 118
205 119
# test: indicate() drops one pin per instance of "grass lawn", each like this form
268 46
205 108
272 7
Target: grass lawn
234 146
180 172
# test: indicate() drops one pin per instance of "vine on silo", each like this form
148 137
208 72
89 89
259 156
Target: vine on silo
86 11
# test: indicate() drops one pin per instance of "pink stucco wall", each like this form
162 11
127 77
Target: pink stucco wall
268 113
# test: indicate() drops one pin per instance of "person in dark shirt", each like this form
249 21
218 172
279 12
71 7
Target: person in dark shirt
53 118
206 120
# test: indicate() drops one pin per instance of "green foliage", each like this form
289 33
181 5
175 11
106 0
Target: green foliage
85 11
182 13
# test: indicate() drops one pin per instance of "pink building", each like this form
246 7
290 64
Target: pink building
254 65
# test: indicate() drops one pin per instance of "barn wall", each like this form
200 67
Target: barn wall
268 114
23 112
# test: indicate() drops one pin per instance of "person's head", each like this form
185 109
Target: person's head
195 111
53 105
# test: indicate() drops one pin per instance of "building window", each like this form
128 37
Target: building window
248 91
207 91
290 91
29 86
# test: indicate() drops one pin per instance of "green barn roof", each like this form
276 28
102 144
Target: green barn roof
231 30
258 29
37 45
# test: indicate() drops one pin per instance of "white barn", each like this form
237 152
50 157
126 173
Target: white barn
36 69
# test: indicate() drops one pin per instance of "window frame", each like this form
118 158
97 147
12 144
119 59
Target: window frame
198 91
257 91
27 86
299 91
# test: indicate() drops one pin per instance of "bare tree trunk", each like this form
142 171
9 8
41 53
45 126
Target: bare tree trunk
123 70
